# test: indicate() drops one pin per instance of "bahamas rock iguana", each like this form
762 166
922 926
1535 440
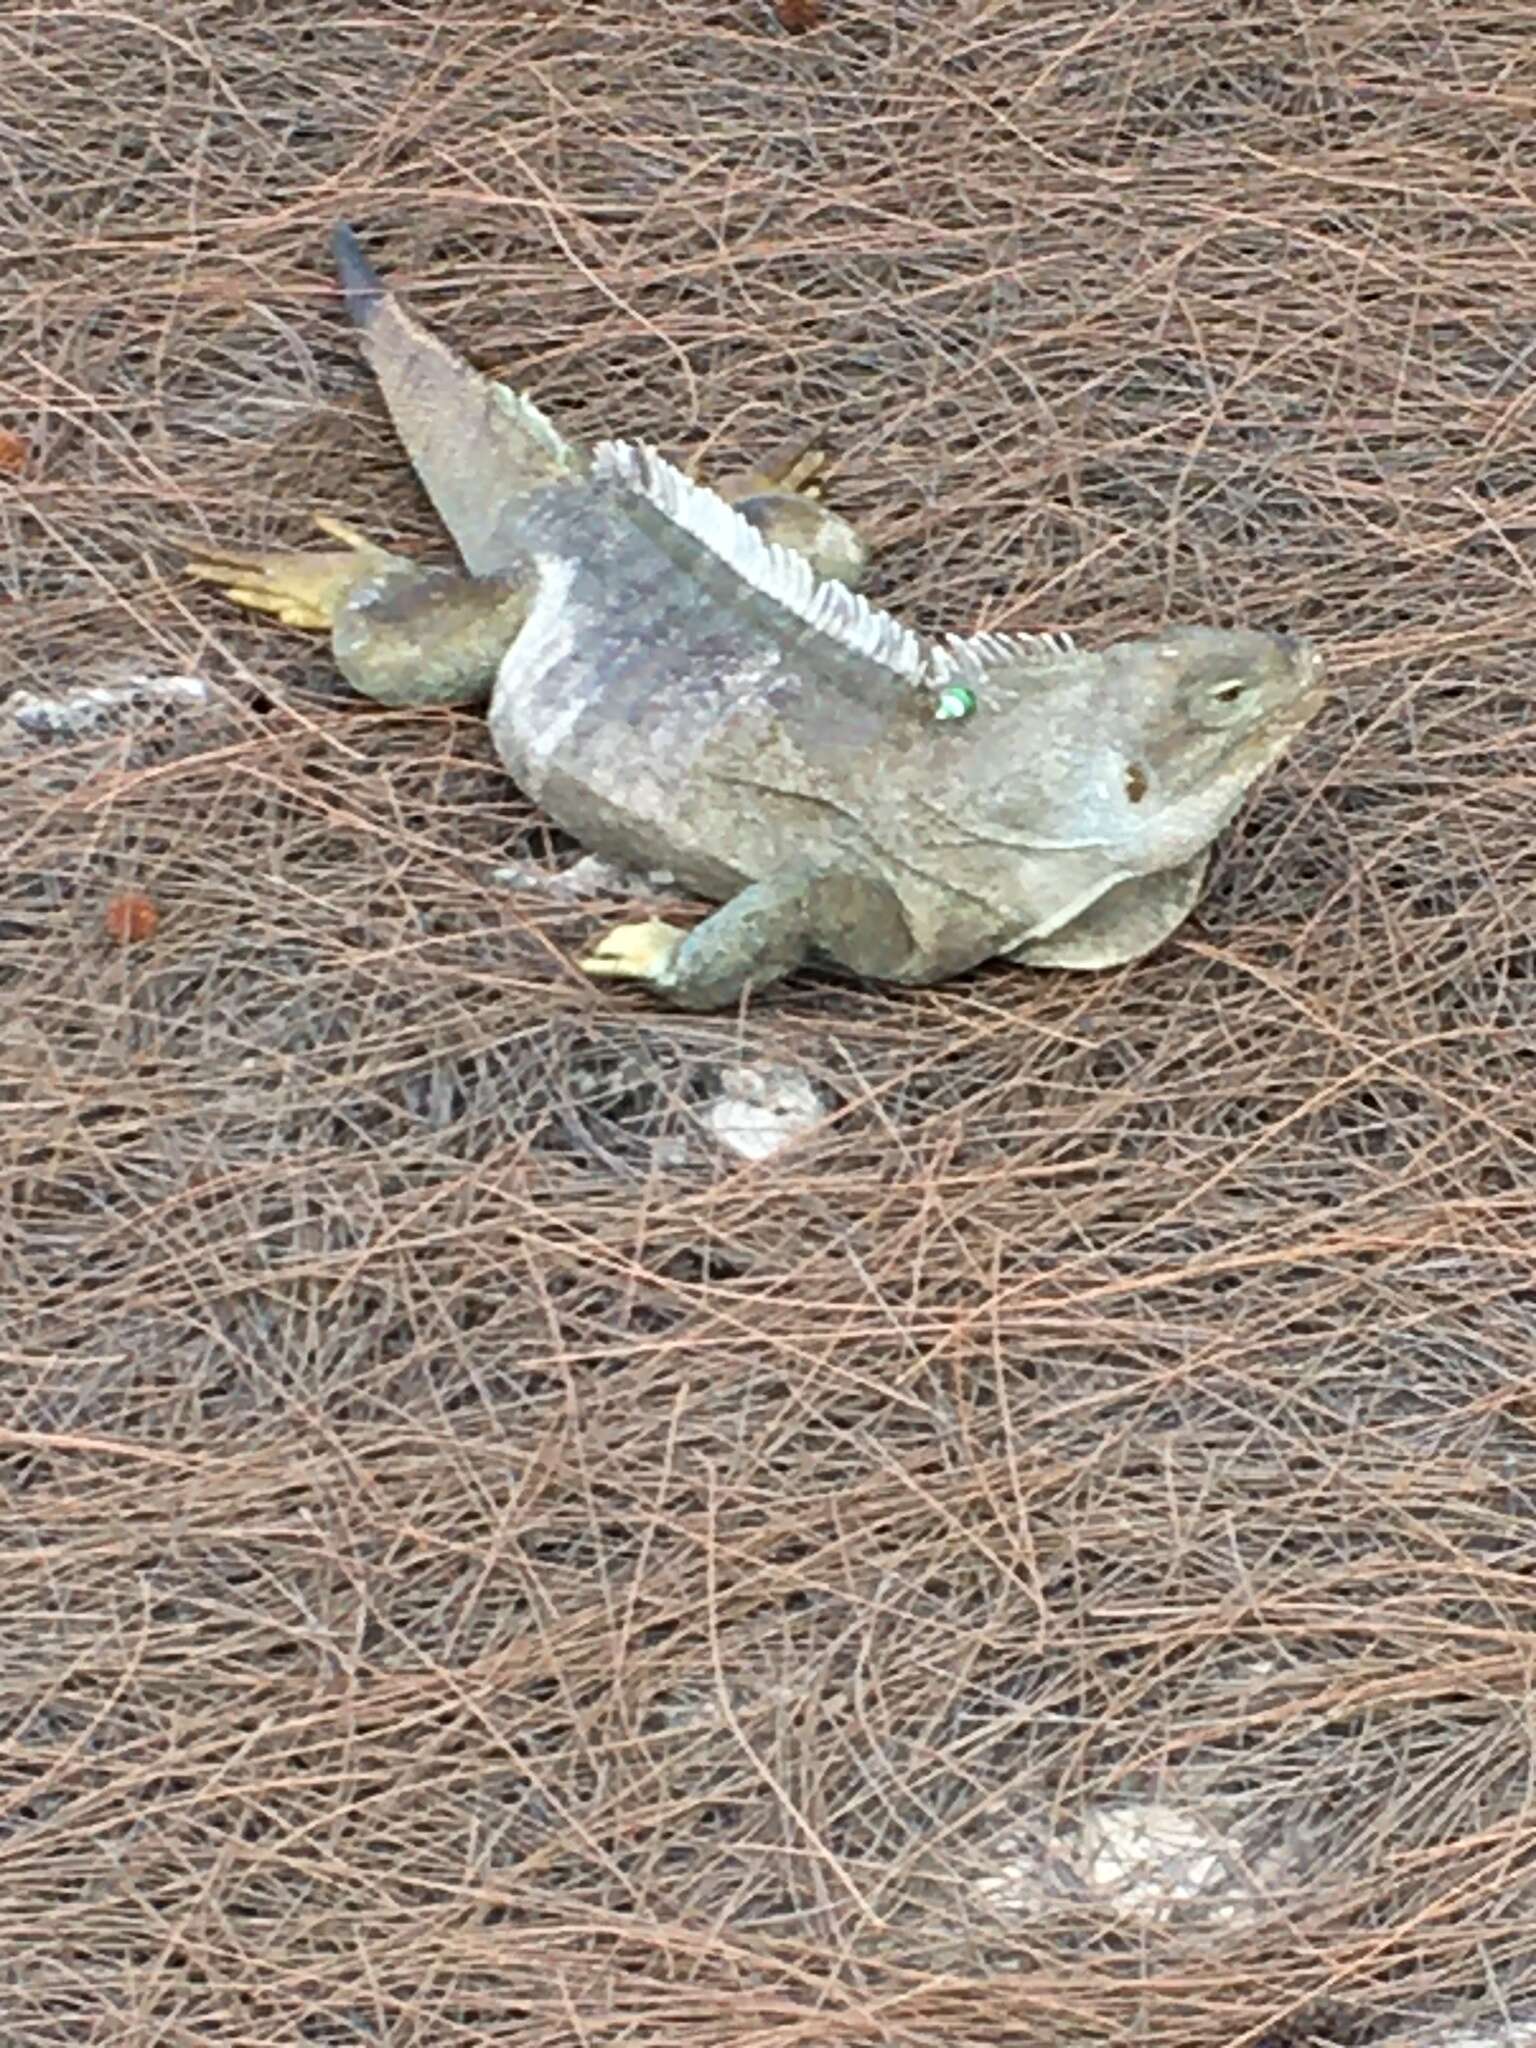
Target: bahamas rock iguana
686 678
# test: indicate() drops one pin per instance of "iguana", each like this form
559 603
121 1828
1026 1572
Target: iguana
687 678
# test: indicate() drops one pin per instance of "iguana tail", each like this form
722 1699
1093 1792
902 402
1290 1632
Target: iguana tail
361 285
474 443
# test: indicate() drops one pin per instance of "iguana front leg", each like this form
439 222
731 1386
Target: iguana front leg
762 934
400 633
782 498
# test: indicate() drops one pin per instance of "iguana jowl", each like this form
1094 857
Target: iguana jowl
686 678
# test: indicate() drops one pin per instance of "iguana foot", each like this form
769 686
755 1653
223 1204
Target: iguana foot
798 467
301 590
635 952
764 932
783 499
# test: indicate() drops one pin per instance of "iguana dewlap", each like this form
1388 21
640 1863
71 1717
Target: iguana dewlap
685 678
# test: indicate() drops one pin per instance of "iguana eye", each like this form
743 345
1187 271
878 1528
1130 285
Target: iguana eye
1135 782
1228 692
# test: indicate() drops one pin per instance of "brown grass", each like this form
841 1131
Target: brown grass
484 1565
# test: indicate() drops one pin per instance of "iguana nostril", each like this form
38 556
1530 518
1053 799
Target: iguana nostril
1303 655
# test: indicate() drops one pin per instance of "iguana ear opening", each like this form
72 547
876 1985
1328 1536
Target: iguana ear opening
1137 782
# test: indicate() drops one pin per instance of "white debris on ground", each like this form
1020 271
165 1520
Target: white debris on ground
589 877
751 1108
1510 2033
72 714
761 1108
1145 1859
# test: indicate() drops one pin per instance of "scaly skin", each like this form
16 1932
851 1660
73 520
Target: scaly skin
678 694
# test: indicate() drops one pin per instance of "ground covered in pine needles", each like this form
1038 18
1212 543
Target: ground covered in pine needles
1045 1557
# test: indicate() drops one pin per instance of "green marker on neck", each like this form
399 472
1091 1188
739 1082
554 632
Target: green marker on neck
955 701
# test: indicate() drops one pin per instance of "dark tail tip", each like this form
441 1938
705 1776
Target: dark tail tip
361 284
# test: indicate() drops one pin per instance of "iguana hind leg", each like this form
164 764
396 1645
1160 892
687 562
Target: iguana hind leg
782 497
400 633
762 934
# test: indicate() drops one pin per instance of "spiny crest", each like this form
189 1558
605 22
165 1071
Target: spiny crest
538 426
972 659
779 573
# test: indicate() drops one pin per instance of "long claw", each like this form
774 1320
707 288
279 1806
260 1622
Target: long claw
289 610
805 470
218 568
338 529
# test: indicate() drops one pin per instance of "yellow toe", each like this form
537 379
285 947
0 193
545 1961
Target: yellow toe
806 474
304 590
634 952
360 544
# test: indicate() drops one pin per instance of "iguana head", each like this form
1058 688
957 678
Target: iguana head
1136 755
1193 718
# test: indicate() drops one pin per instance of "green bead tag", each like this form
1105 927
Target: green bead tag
955 702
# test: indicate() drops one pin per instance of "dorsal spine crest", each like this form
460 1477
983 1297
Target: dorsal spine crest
970 660
832 608
520 408
777 572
